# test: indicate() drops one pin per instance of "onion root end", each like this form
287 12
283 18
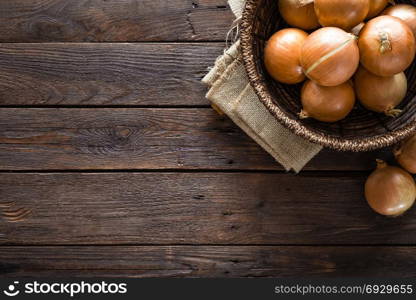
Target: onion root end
393 112
381 164
303 115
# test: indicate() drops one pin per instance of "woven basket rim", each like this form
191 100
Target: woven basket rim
258 83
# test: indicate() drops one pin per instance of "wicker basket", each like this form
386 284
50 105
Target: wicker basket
362 130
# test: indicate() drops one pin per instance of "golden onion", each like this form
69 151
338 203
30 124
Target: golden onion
387 46
282 55
344 14
330 56
405 12
406 154
390 191
326 104
299 13
380 94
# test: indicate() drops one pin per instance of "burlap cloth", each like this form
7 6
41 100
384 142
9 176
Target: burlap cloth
232 93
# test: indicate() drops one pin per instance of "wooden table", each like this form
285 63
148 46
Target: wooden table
113 163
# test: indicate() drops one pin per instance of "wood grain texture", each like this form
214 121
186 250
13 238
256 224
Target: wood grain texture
207 201
209 261
105 74
195 208
140 138
113 20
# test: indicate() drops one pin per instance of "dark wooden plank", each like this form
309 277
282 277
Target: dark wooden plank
208 261
105 74
139 138
115 20
193 208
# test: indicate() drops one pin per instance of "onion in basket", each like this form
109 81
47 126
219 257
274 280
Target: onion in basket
380 94
299 13
330 56
387 46
376 7
344 14
389 190
406 154
326 104
405 12
282 53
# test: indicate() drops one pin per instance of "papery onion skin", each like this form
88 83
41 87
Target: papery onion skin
406 154
390 191
405 12
376 7
299 14
387 46
326 104
282 55
330 56
380 94
357 29
344 14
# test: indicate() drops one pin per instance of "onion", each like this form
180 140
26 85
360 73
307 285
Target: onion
390 191
406 155
326 104
344 14
330 56
405 12
380 94
282 53
376 6
387 46
299 13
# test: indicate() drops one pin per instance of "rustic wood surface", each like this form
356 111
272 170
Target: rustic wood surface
209 261
195 208
106 74
141 138
112 163
113 21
